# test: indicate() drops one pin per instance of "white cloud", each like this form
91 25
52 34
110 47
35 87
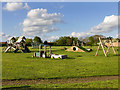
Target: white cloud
15 6
4 36
52 38
82 34
118 35
39 22
49 38
109 24
12 0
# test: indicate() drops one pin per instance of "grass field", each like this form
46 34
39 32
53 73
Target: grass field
21 66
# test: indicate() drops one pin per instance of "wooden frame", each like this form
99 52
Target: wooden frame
45 49
111 45
101 44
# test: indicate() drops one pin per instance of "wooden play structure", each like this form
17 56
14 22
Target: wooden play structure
75 49
16 45
78 48
115 44
45 54
108 46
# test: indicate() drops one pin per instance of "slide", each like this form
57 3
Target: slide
26 49
7 49
19 49
15 50
84 49
23 51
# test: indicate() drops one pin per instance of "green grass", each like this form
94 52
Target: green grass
23 66
78 64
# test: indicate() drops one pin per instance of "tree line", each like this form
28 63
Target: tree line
67 40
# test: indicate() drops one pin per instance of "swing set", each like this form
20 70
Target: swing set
108 47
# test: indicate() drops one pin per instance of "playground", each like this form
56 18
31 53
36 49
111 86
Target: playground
78 70
16 45
59 44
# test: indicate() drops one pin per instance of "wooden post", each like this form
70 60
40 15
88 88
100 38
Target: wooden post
44 50
40 50
10 45
77 44
112 47
34 54
108 49
73 43
50 51
102 47
114 50
97 49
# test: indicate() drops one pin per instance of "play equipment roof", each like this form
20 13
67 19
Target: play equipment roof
20 39
11 38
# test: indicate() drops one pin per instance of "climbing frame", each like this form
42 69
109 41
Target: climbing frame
111 45
101 44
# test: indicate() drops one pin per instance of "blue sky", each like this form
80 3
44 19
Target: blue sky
78 17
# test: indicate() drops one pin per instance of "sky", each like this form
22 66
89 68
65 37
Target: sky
51 20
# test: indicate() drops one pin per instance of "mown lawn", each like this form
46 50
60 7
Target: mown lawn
78 64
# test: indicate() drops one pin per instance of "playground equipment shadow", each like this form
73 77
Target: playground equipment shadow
13 52
50 58
37 50
15 88
79 56
117 55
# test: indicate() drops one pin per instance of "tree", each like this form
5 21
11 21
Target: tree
45 42
66 40
69 42
80 38
91 39
37 39
74 39
109 37
86 39
61 41
28 42
96 38
118 39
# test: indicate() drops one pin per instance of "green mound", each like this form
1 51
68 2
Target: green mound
84 49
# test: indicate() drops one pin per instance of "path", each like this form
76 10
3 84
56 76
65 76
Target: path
58 81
